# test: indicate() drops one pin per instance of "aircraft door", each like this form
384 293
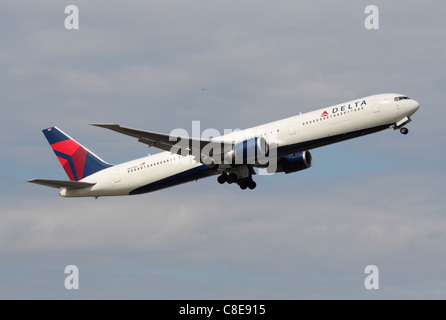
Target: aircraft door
376 106
291 128
117 176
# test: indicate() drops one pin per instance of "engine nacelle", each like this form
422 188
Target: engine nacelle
248 152
295 162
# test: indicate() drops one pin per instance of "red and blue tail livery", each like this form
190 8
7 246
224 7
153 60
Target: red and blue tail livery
77 161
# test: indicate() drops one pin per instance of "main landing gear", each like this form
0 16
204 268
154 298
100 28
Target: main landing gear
233 178
404 130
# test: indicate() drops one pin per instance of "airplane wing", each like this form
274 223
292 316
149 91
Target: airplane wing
169 143
70 185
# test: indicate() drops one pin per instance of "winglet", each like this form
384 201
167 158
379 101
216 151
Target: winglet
110 126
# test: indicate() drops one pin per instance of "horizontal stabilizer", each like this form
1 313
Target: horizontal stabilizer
70 185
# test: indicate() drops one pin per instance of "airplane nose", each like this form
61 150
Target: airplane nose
414 105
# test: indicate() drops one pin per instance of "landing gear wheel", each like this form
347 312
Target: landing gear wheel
243 186
404 131
222 178
252 184
231 178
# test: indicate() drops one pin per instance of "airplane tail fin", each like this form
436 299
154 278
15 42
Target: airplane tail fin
77 161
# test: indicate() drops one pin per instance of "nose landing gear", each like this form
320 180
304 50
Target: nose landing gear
404 131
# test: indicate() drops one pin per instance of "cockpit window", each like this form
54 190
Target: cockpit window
401 98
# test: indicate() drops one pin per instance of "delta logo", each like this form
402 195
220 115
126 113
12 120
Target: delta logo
324 114
72 158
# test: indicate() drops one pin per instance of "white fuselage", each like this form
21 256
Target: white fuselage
294 134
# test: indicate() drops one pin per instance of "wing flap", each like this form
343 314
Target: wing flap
70 185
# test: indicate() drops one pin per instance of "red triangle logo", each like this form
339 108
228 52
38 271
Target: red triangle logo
324 114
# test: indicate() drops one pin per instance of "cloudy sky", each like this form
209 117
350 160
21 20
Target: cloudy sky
377 200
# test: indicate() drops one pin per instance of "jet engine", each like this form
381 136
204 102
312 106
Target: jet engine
248 152
292 163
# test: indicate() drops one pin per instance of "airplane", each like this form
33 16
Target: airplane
279 146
